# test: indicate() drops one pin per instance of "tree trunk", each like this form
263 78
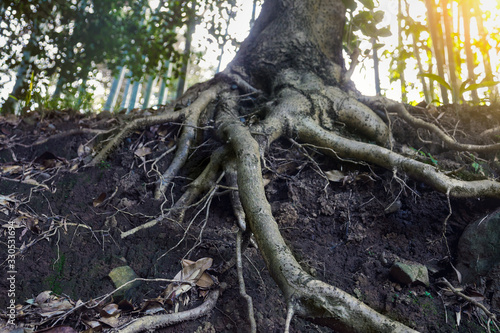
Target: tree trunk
437 43
302 35
466 8
452 69
485 48
401 62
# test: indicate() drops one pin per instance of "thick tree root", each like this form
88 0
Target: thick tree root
448 141
338 146
157 321
308 296
187 137
328 104
191 113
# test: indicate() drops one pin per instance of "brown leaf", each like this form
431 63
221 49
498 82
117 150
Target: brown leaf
141 152
193 270
83 151
55 306
335 175
33 182
205 281
94 325
190 274
111 321
110 310
22 221
11 169
43 297
5 199
152 306
98 201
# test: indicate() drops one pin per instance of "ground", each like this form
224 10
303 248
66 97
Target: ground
340 230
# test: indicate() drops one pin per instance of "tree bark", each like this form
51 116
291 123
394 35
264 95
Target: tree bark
452 69
303 35
437 43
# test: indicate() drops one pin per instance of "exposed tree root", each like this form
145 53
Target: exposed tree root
309 296
339 146
157 321
202 184
191 113
419 123
241 281
232 182
187 137
307 110
70 133
490 132
328 104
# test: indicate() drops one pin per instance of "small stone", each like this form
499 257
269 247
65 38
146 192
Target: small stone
120 276
408 273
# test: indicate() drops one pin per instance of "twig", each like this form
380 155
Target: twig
241 281
491 315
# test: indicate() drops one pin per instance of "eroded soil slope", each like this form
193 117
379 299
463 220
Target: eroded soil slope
336 216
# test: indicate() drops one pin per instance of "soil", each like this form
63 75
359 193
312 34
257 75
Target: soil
341 231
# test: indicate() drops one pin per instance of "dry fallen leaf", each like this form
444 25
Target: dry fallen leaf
23 221
141 152
83 151
98 201
335 175
11 169
33 182
43 297
205 281
188 276
110 310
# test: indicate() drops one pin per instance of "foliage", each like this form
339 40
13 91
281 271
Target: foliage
471 56
69 39
465 86
362 23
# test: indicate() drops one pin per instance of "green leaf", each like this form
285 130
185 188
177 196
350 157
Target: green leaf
350 4
378 16
384 32
483 84
436 78
464 85
369 4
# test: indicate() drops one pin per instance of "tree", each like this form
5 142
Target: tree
70 41
287 80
